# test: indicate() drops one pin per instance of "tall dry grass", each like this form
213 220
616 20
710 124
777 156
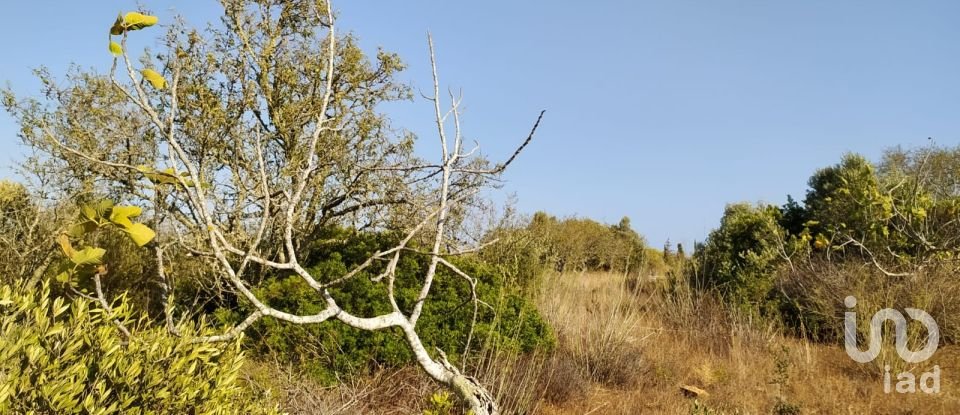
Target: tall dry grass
627 347
746 365
819 289
599 325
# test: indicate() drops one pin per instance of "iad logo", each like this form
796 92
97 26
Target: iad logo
906 381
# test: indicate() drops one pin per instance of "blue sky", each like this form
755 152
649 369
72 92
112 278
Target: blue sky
662 111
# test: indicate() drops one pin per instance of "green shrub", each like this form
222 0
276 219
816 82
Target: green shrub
441 403
25 233
331 350
68 357
847 200
521 255
740 258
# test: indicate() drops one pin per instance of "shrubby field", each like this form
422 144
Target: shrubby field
229 224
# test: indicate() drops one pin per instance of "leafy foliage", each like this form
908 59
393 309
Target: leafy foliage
132 21
66 357
93 217
441 403
26 234
859 222
846 200
511 320
740 257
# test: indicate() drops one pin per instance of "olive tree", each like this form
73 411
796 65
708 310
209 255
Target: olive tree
243 141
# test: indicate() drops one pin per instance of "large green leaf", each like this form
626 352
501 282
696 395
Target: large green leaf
167 176
89 212
88 256
159 177
103 208
137 21
140 233
154 78
121 215
96 212
132 21
77 230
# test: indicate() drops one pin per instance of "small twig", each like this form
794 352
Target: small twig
106 305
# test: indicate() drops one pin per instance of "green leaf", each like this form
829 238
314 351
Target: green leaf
88 212
151 174
121 215
64 271
104 207
137 21
115 48
164 177
140 233
79 229
88 256
154 78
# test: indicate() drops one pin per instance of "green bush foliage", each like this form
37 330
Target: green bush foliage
901 212
862 229
330 351
25 233
846 199
740 258
68 357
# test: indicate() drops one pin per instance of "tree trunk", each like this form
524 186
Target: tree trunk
474 394
468 388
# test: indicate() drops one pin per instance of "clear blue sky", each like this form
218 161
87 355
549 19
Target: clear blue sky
662 111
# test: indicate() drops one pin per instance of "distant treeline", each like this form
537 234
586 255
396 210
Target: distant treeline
546 243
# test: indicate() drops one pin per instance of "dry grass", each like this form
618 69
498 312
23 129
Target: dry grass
388 392
599 326
689 338
627 349
518 382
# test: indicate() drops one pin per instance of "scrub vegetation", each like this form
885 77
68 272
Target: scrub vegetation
230 224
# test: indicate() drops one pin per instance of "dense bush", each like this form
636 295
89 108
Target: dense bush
741 257
887 233
26 233
68 357
813 297
846 200
329 351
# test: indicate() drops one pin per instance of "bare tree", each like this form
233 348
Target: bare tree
246 142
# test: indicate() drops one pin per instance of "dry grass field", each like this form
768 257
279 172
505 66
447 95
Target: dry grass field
630 349
742 368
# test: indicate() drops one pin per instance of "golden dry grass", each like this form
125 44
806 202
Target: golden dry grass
627 349
691 340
